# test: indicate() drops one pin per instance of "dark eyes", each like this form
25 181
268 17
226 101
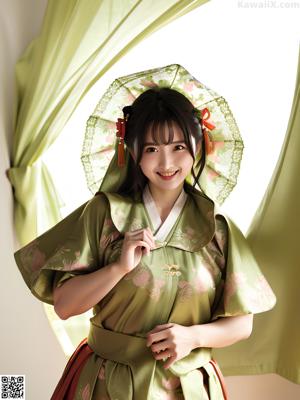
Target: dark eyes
153 149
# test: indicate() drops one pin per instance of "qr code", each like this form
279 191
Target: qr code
12 386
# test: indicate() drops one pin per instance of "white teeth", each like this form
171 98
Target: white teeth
169 174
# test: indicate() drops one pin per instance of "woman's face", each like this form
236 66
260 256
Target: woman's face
166 166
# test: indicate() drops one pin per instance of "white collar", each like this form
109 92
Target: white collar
162 229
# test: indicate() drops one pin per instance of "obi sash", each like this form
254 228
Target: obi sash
136 381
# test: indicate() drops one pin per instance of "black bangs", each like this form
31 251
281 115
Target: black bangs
158 131
158 111
162 132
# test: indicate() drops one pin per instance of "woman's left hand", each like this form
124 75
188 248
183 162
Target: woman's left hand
170 340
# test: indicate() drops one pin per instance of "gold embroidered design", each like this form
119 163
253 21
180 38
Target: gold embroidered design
171 270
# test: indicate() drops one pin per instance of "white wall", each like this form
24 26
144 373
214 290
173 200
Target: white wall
28 345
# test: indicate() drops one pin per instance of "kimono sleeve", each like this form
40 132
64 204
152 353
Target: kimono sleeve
243 289
68 249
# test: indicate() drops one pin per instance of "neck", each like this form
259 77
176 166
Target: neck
165 199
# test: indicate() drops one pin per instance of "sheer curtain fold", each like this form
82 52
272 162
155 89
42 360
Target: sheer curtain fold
274 235
77 45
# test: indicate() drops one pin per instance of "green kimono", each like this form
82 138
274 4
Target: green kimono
201 271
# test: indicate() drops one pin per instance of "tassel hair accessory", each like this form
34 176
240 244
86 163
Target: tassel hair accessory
120 134
203 116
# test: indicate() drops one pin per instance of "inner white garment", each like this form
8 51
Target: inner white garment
162 229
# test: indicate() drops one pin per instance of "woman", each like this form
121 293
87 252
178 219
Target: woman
168 276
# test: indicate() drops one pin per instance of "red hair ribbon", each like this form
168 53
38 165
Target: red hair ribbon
120 124
205 115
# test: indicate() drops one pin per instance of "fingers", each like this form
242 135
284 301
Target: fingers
132 242
143 234
136 244
146 246
160 355
161 327
160 332
141 230
161 347
167 354
169 362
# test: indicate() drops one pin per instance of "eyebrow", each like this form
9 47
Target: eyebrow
152 143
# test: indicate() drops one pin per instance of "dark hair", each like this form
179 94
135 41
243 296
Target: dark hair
152 110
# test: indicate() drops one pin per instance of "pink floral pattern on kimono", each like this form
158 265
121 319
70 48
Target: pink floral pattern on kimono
236 281
266 297
171 387
107 239
108 224
33 257
101 374
171 383
141 277
187 237
109 233
120 217
185 291
67 259
69 266
85 395
157 286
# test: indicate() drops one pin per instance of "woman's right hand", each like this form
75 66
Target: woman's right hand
136 244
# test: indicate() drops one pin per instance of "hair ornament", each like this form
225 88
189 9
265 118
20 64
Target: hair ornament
205 125
205 115
120 134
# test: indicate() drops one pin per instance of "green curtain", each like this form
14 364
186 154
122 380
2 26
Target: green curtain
274 236
78 43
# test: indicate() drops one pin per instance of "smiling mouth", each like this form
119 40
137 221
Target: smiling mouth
168 174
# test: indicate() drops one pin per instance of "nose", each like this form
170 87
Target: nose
166 159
